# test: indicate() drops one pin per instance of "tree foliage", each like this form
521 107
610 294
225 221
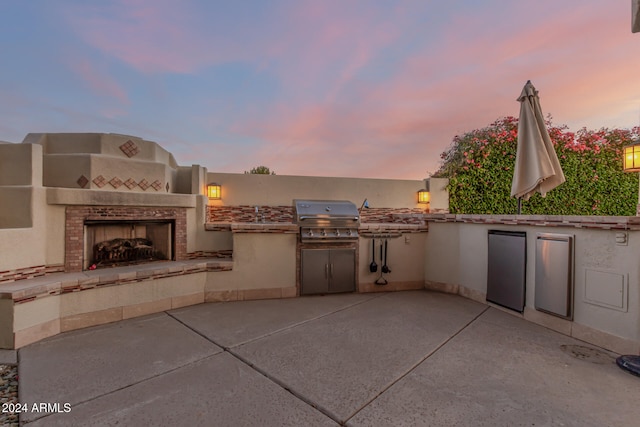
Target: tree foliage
479 165
260 170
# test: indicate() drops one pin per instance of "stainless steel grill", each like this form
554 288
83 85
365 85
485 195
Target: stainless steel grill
327 220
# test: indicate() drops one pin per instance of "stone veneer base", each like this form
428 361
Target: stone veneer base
566 327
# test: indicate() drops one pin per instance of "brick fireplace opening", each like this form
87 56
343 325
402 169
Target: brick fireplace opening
126 242
105 236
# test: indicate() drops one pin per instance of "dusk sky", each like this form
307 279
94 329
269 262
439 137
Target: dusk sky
371 88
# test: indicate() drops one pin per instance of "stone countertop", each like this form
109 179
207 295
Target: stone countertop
392 227
287 227
577 221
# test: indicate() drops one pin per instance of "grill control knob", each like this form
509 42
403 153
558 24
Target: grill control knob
310 233
337 233
349 232
323 232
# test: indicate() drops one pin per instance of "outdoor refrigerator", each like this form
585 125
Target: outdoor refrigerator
506 270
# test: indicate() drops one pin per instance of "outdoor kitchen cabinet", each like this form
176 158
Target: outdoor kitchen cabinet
327 271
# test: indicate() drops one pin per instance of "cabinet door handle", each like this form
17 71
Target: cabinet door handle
326 271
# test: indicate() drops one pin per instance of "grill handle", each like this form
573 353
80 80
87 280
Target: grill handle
302 218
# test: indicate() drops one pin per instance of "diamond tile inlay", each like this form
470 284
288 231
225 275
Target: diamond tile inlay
82 181
157 185
100 181
167 187
130 148
115 182
130 183
144 184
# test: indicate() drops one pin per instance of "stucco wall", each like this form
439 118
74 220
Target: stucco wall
20 164
36 245
280 190
260 261
405 258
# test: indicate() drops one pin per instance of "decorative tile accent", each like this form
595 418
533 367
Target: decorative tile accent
167 187
144 184
157 185
130 148
130 183
82 181
100 181
115 182
245 213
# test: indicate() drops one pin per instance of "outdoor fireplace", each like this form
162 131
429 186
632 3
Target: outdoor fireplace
107 236
113 243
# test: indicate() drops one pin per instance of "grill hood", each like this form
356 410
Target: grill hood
326 213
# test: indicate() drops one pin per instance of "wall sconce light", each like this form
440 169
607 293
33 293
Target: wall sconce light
631 161
214 191
424 196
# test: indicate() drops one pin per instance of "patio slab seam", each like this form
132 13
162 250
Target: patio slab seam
275 380
160 374
324 411
277 331
271 378
414 366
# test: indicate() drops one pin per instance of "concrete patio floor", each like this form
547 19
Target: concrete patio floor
390 359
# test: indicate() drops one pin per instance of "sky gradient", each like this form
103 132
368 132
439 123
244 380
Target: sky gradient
369 88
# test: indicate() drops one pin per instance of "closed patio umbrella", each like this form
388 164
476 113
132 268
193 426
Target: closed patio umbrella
537 167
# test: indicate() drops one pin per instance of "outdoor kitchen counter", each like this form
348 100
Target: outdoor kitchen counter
630 223
290 228
599 288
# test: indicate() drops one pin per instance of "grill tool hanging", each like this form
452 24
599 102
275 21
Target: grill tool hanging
373 267
385 267
381 280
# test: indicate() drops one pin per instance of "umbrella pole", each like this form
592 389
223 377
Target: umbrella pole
519 205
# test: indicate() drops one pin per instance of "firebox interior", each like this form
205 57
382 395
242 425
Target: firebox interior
111 243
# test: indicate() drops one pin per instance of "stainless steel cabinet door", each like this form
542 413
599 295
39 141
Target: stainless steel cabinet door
554 274
327 271
342 270
314 264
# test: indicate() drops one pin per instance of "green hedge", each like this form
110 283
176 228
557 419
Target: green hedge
480 164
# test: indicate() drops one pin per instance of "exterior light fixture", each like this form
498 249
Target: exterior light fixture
631 161
424 196
214 191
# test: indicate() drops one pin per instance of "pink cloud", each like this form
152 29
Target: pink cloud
398 127
464 78
153 36
98 80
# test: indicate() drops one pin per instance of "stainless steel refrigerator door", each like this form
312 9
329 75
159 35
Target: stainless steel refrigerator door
507 268
554 274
